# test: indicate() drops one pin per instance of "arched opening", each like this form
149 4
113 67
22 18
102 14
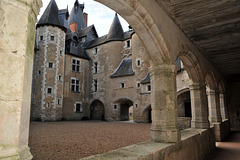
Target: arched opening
97 110
190 84
125 105
147 114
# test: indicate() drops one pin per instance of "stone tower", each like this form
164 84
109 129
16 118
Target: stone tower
48 73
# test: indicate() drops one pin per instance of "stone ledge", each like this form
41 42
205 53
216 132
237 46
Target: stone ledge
199 141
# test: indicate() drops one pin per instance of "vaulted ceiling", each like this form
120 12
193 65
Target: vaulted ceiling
214 27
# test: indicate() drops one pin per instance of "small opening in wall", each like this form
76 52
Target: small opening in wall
136 105
128 43
95 85
47 105
138 63
39 72
49 90
52 38
50 65
41 38
61 52
149 88
95 67
78 107
138 85
122 85
60 78
96 50
59 101
115 106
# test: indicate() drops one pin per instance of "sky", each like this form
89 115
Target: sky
98 14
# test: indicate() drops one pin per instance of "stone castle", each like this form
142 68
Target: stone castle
78 75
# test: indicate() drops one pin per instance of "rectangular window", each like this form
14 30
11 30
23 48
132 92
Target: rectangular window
136 105
138 85
95 50
95 67
95 85
41 38
61 53
60 78
50 65
75 65
39 72
78 107
138 63
49 90
47 105
128 44
52 38
122 85
75 85
115 107
149 88
59 101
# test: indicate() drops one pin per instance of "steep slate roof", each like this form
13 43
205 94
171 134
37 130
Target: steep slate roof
146 79
115 34
116 30
63 15
78 51
124 69
76 16
50 16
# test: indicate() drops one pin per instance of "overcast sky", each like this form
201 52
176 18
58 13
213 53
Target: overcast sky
98 14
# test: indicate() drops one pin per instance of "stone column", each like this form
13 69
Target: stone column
223 108
214 106
17 37
199 106
163 102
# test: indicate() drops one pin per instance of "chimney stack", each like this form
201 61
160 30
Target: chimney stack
85 15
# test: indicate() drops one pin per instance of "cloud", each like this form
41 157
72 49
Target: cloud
98 14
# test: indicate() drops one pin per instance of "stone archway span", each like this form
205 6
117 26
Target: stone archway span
138 17
146 108
123 99
182 91
211 81
192 66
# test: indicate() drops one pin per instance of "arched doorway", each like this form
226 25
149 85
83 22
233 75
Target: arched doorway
147 114
125 105
97 111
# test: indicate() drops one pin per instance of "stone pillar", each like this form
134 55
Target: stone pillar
17 37
163 102
199 106
214 106
223 108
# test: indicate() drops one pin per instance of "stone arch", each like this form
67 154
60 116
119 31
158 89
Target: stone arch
147 113
211 81
145 27
192 66
124 103
97 110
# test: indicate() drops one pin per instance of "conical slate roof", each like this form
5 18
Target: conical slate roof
50 16
76 16
116 30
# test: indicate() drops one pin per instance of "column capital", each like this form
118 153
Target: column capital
213 92
162 68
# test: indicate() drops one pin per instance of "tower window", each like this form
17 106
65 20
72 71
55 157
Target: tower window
78 107
50 65
41 38
128 44
136 105
75 85
122 85
59 101
75 65
115 107
95 85
61 52
95 67
39 72
95 50
49 90
60 78
52 38
138 63
138 85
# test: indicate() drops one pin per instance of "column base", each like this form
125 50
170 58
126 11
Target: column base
170 135
23 154
200 125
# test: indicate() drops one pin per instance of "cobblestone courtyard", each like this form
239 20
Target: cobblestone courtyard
75 140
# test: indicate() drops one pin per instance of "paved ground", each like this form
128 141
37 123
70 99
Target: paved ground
75 140
227 150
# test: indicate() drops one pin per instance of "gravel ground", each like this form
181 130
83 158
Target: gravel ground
75 140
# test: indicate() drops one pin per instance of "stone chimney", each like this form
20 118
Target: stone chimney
85 15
